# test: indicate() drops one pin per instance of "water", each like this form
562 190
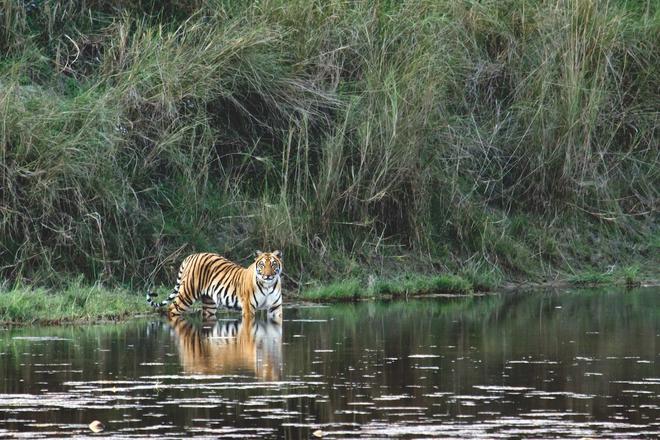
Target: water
530 365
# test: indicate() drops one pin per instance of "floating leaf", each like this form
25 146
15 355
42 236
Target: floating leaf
96 426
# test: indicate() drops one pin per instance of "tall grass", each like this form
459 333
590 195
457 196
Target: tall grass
418 134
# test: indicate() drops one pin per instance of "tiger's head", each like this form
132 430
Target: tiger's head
268 266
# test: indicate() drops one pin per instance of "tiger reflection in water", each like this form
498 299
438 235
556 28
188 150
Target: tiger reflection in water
230 347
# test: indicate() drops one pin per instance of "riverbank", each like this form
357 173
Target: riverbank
419 285
415 285
74 303
80 303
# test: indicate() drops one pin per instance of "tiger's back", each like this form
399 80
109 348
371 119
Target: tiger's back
209 277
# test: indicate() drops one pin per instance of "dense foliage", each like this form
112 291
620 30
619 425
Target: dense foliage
507 136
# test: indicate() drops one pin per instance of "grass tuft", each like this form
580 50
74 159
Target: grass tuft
76 302
629 276
347 290
590 279
413 285
420 285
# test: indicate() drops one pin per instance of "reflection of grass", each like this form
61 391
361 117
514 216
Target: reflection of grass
612 305
75 303
404 286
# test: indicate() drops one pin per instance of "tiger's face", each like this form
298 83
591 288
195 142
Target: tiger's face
268 266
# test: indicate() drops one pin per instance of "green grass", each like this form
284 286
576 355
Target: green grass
347 290
75 303
627 275
412 285
591 279
383 137
630 275
481 277
419 285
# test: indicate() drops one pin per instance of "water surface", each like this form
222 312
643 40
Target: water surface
528 365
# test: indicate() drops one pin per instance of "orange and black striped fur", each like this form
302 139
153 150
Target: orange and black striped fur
221 347
216 281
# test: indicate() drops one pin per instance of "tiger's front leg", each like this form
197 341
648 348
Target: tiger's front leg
248 311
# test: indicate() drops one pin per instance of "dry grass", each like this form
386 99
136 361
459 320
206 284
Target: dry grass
345 133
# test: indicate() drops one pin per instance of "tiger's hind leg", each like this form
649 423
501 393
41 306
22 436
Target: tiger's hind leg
180 302
176 306
209 307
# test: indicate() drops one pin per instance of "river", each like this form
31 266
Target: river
568 364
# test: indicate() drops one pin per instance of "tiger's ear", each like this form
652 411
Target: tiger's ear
259 253
278 254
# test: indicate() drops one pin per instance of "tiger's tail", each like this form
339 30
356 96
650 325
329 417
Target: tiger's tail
151 296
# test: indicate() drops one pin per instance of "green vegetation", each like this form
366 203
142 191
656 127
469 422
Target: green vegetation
76 302
627 275
403 286
630 275
338 291
590 279
422 285
491 139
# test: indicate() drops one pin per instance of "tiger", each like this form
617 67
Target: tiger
253 346
217 281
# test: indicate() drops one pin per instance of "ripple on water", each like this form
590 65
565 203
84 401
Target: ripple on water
40 338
